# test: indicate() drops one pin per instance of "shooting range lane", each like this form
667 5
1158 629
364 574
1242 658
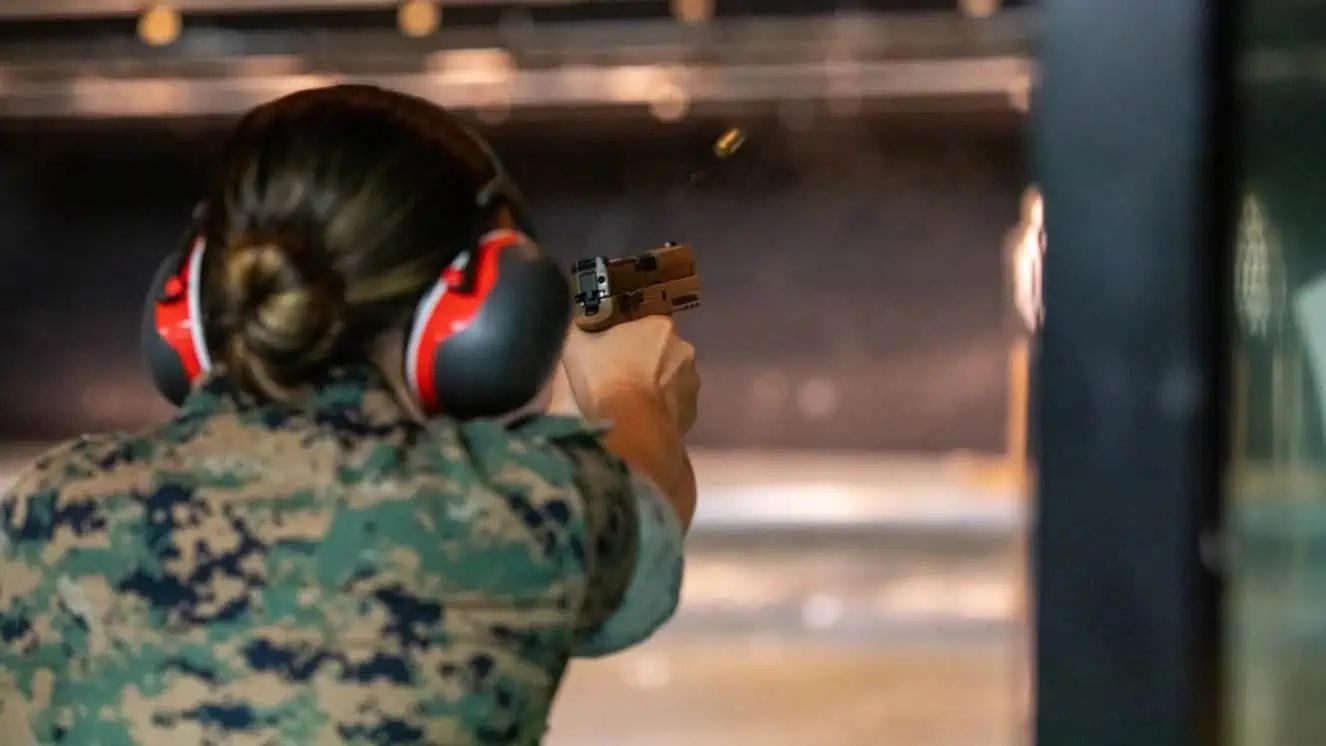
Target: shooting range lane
832 597
865 596
788 641
713 695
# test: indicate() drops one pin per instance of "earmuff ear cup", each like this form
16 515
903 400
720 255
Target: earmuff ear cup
164 361
492 351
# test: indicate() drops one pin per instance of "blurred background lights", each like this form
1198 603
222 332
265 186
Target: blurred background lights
1029 260
1019 93
1256 259
418 18
159 25
978 8
670 103
822 611
818 398
692 11
648 672
768 394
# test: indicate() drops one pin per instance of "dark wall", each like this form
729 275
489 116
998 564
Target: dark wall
852 269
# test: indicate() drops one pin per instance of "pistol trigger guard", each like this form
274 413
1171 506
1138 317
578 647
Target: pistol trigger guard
603 318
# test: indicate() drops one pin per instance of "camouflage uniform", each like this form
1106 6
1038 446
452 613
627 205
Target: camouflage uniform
333 574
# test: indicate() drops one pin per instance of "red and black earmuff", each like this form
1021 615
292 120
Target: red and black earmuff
485 339
172 334
488 336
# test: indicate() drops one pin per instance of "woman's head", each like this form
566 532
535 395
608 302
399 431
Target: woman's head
331 212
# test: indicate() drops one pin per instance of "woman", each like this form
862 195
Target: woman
301 556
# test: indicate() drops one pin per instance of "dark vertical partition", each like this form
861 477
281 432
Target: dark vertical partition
1131 147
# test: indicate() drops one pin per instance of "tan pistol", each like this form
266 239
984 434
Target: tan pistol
608 292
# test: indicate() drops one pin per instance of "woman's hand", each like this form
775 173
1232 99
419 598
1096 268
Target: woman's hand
644 356
640 376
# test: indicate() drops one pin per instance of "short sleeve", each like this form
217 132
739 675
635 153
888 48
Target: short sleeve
654 588
632 542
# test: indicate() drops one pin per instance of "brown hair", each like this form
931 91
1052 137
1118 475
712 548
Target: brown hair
332 211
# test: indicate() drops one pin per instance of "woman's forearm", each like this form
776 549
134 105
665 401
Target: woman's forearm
644 436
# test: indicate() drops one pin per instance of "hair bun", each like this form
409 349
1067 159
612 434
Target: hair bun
285 310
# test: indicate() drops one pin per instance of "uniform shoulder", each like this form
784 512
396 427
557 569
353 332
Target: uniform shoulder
80 458
533 453
547 428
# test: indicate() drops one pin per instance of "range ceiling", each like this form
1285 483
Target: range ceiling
223 64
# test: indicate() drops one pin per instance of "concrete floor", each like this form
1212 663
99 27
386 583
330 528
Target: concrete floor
764 694
823 640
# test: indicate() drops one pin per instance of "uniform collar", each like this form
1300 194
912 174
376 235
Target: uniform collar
345 393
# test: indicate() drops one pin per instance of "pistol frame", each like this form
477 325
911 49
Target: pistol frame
608 292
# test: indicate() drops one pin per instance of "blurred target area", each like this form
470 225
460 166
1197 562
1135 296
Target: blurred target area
852 179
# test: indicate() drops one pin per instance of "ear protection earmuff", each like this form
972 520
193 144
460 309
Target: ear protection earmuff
172 333
484 340
488 336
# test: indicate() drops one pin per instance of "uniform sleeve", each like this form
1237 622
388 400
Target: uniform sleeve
632 544
653 589
611 529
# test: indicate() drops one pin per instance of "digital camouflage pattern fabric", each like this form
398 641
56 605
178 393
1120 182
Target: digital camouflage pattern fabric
332 574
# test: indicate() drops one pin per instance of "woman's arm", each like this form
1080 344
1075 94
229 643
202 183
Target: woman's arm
633 532
633 536
640 377
644 436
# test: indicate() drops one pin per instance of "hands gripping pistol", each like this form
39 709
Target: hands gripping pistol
658 282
